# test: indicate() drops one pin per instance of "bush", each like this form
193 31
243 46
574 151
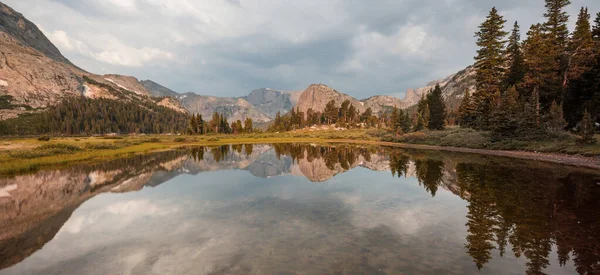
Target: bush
112 137
153 140
45 151
213 139
101 146
44 138
180 139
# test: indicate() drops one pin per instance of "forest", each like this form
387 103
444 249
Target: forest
85 116
548 83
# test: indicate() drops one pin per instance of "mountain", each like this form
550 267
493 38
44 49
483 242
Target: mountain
35 75
317 96
453 87
25 33
261 105
233 108
155 89
272 101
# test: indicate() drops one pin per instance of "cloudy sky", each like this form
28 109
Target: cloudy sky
230 47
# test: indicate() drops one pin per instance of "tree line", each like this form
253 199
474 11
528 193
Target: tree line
85 116
547 83
218 125
431 114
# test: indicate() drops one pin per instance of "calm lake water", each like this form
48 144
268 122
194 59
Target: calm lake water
302 209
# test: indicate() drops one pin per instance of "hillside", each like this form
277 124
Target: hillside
35 75
453 86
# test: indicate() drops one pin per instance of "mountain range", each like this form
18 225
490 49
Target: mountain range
35 75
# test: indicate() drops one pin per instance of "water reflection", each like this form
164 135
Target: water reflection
503 215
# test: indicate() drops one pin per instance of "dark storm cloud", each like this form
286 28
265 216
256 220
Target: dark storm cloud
229 47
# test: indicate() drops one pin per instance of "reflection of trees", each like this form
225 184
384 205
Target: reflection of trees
429 173
399 164
248 149
531 209
197 153
345 156
220 152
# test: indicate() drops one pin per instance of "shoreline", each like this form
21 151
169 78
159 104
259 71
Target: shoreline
11 166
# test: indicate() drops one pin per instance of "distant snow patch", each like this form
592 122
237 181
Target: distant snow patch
3 83
121 86
86 91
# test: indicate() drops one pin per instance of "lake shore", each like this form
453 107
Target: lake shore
21 155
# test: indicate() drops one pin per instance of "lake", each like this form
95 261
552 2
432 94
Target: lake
302 209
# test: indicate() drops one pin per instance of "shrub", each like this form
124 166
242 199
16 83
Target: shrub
180 139
101 146
45 151
213 139
112 137
44 138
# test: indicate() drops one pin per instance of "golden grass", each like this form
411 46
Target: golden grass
98 149
15 153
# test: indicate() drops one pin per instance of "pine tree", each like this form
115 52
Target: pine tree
466 111
489 64
516 67
579 66
596 29
331 112
248 127
406 122
395 120
437 109
201 124
556 23
556 34
554 119
541 67
587 128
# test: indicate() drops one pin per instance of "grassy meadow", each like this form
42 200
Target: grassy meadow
20 155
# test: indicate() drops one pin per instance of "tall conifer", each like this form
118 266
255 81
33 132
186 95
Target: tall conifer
489 64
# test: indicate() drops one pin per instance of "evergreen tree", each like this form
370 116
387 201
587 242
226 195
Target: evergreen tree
406 122
587 128
331 112
466 111
437 109
556 23
248 127
541 67
580 64
556 34
395 120
201 124
596 29
489 64
516 67
554 119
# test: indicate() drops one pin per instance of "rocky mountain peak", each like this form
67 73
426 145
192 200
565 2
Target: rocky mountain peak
27 33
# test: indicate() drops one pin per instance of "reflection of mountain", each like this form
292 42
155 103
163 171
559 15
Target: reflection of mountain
34 207
524 205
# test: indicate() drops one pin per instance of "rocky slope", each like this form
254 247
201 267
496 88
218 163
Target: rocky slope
261 105
316 97
155 89
25 33
272 101
35 75
453 87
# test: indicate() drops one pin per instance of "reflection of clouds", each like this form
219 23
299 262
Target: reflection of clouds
119 214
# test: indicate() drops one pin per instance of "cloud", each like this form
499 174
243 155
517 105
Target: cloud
113 51
231 47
